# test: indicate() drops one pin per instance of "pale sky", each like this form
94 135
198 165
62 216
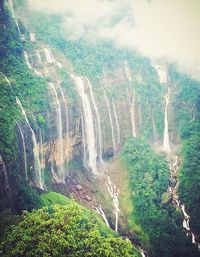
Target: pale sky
166 29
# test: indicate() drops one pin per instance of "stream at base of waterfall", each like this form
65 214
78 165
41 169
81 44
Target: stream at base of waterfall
174 165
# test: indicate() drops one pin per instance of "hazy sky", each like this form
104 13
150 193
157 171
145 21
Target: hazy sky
157 28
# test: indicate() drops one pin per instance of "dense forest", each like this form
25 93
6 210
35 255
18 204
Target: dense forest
99 151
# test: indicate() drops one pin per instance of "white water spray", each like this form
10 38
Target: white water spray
99 134
88 124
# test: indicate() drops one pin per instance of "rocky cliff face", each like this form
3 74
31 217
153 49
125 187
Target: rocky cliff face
88 120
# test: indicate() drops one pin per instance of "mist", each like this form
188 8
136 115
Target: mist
158 29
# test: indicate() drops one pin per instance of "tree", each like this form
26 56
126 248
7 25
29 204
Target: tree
63 231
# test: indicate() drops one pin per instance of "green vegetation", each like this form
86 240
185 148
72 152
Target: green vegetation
23 83
190 174
64 231
52 198
161 224
27 199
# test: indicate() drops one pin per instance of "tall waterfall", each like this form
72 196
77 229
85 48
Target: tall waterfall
117 123
59 145
83 141
166 144
6 181
66 121
99 133
111 123
88 124
37 168
66 109
131 100
24 151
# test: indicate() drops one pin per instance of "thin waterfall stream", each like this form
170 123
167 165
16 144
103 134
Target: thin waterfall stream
166 144
174 167
111 124
37 167
24 151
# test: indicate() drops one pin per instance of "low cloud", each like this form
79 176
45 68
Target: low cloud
159 29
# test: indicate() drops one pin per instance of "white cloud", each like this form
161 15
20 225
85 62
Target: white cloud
157 28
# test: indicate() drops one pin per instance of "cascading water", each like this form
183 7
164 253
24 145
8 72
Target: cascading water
37 168
50 58
162 74
59 148
67 120
6 79
166 144
24 151
127 71
39 59
114 192
111 124
174 167
100 211
91 160
32 37
6 181
132 107
83 140
27 60
117 123
99 134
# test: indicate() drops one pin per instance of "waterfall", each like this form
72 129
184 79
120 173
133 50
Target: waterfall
174 166
66 109
154 127
89 126
111 123
114 192
38 56
27 60
162 74
7 184
32 37
83 141
117 123
127 71
24 151
59 148
166 144
50 58
99 133
48 55
6 79
100 211
67 120
37 168
132 110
